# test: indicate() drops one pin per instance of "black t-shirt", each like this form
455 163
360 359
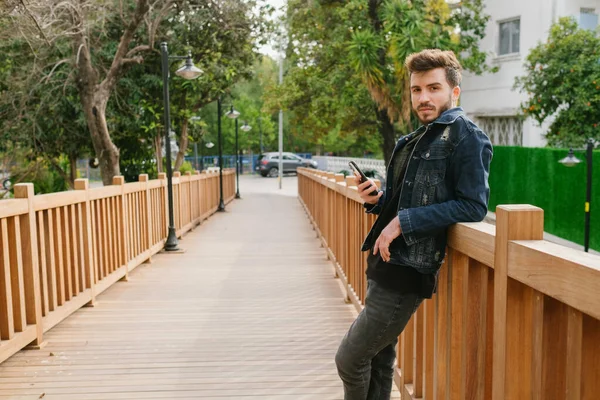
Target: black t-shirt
400 278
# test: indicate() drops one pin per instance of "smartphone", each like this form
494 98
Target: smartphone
363 177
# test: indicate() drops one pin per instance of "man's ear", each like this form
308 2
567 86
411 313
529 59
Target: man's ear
456 93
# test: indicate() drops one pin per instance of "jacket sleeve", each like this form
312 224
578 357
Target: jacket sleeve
375 208
469 171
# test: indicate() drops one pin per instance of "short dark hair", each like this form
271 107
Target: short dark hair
429 59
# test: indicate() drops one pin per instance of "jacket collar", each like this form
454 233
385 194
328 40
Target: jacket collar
449 116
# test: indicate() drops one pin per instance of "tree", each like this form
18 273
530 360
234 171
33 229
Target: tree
563 84
325 100
369 40
105 38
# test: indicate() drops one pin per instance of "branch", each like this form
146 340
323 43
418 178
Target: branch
134 60
110 81
53 69
36 22
161 14
137 50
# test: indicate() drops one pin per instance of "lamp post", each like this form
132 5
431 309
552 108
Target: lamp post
246 128
188 71
220 140
569 161
234 114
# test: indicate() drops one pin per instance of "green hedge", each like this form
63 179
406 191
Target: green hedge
521 175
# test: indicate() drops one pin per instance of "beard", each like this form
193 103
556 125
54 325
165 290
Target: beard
434 112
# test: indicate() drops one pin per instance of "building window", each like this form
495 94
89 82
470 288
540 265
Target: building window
510 33
588 19
502 131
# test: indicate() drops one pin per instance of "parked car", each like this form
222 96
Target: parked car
268 163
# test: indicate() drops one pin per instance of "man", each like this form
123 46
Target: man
437 176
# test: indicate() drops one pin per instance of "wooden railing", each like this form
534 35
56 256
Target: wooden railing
59 251
514 317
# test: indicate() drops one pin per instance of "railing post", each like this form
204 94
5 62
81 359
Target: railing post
88 256
143 179
188 175
123 227
88 248
515 222
31 275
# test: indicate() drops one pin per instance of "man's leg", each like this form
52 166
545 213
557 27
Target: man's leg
385 315
382 373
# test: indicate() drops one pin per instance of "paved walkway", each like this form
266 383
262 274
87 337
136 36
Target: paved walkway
250 311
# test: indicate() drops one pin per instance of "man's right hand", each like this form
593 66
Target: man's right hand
364 190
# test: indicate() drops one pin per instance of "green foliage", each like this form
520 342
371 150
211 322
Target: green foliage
45 177
563 84
186 167
345 63
534 176
40 100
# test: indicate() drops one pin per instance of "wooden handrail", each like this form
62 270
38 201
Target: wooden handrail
514 317
59 251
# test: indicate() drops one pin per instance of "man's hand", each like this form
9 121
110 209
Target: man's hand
382 245
365 189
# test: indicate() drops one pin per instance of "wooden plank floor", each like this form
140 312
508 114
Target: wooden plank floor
249 311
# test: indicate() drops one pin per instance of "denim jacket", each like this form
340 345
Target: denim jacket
446 181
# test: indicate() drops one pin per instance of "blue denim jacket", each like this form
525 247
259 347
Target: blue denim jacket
446 182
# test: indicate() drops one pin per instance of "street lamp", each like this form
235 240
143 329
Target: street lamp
234 114
188 71
570 160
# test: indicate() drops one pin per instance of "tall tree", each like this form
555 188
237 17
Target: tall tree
369 40
563 84
96 61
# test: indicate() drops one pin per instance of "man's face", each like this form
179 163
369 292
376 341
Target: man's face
431 94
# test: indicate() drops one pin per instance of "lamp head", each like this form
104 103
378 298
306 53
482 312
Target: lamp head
189 70
570 160
245 127
233 113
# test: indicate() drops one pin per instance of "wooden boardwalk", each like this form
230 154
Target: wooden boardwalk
249 311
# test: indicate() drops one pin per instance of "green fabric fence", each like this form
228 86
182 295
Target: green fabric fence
521 175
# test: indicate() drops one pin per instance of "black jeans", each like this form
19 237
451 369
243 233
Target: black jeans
365 358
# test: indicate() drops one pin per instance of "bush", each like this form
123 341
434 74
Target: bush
186 167
45 179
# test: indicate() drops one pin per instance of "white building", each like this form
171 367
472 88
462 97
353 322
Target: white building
515 27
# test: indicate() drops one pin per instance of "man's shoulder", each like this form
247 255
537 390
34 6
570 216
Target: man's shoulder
463 127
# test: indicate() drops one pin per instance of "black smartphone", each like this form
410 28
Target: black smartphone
363 177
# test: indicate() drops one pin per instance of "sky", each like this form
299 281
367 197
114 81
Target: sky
268 49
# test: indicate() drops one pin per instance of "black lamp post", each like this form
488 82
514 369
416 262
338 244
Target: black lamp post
220 140
246 128
570 160
188 71
234 114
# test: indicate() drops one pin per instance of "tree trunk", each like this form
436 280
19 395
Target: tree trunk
94 95
183 144
386 129
94 108
72 169
158 151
